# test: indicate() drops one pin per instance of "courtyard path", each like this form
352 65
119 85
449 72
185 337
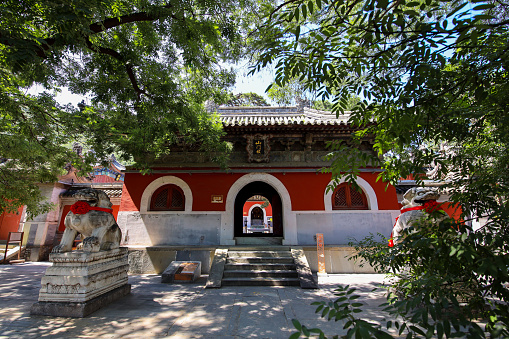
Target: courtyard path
155 310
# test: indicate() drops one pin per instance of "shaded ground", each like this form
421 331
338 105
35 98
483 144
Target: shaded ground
178 310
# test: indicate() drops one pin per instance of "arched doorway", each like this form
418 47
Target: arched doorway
257 215
258 188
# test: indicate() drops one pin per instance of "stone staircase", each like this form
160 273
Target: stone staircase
260 266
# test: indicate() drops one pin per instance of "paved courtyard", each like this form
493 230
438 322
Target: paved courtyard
154 310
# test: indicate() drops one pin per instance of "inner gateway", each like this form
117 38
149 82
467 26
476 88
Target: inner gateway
258 211
257 215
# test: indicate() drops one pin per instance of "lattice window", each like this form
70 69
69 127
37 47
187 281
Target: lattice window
168 198
345 197
356 198
340 197
177 200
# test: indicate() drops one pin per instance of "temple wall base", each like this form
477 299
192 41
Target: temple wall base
155 259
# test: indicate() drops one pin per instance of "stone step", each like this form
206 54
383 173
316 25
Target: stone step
251 254
258 240
261 273
260 266
264 266
259 260
259 248
260 281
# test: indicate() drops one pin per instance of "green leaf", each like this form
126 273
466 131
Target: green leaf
417 330
311 7
305 331
483 7
297 324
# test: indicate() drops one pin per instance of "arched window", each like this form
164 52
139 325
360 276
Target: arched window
346 197
168 198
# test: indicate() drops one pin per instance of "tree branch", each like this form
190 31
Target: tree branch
97 27
119 57
132 17
39 49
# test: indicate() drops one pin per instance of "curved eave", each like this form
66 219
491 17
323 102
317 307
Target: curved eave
293 127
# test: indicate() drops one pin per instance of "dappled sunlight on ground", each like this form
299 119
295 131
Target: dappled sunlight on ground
154 309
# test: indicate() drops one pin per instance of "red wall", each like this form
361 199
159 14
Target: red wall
248 204
452 210
9 222
306 189
202 185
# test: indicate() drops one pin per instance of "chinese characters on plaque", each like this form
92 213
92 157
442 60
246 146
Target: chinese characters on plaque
216 199
258 147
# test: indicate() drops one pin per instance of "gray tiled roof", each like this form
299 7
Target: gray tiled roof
264 116
110 192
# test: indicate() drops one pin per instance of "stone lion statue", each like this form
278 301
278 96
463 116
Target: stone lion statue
91 216
417 202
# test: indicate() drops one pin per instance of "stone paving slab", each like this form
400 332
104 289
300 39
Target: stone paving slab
157 310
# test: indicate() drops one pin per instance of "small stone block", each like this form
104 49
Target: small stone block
182 271
217 268
302 267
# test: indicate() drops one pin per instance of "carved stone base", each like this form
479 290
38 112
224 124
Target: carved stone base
82 281
79 310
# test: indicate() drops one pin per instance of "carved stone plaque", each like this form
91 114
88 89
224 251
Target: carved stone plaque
258 147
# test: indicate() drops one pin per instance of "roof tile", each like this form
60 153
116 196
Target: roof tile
265 116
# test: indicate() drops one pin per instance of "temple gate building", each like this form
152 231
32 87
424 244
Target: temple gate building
274 194
187 207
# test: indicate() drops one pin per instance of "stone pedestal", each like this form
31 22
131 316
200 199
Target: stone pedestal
80 283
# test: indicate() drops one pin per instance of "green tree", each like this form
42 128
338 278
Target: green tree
293 91
286 95
147 66
246 99
432 76
326 105
322 105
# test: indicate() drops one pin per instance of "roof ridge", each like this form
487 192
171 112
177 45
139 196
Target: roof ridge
273 115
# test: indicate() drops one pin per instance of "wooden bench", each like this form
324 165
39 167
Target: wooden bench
12 239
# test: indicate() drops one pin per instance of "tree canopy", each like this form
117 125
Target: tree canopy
246 99
147 67
432 76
